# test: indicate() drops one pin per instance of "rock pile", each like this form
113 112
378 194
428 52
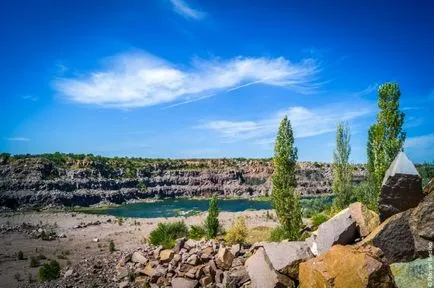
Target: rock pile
189 264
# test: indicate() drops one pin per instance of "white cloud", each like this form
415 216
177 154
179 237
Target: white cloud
139 79
186 11
420 141
305 122
21 139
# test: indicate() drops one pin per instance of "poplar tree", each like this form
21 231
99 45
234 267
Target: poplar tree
386 137
212 221
285 200
342 170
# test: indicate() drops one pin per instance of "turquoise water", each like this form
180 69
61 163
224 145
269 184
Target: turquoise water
182 207
187 207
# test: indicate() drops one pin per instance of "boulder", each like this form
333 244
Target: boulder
138 257
401 188
179 282
412 274
207 253
344 266
166 255
190 243
262 273
192 260
224 258
406 235
366 220
340 229
235 249
285 257
237 277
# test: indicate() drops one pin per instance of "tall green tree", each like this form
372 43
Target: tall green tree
386 137
342 170
212 221
285 200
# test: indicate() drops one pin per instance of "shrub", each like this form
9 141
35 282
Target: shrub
212 221
49 271
315 205
278 234
366 192
20 255
196 232
112 247
34 262
318 219
238 232
166 233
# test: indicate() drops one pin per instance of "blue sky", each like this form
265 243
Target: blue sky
191 78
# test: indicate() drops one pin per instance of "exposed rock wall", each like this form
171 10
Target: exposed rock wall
39 181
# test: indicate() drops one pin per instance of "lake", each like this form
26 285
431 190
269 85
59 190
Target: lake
187 207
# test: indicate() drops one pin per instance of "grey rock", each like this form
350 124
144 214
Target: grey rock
341 229
179 244
179 282
235 249
262 274
285 257
138 257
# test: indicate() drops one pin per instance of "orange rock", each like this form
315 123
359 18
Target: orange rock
346 267
366 219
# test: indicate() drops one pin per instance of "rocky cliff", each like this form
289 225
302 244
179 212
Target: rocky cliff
87 180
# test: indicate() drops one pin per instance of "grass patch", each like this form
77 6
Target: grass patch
196 232
318 219
49 271
166 233
237 233
258 234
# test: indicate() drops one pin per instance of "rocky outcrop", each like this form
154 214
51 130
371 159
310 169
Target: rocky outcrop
401 189
344 266
40 181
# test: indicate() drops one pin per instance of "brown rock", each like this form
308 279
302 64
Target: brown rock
224 258
207 253
345 266
262 274
192 260
366 220
166 255
149 270
205 281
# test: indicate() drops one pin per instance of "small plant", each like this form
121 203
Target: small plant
318 219
196 232
141 185
212 221
112 246
131 276
278 234
49 271
238 232
120 220
34 262
166 233
20 255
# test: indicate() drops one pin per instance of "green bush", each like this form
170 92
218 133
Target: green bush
196 232
278 234
166 233
238 232
49 271
315 205
318 219
34 262
112 247
366 192
212 221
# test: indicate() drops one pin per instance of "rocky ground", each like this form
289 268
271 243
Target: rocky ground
81 242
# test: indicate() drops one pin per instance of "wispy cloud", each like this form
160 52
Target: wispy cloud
138 79
183 9
305 122
420 141
22 139
30 97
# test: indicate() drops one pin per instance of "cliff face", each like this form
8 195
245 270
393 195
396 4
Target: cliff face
40 181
